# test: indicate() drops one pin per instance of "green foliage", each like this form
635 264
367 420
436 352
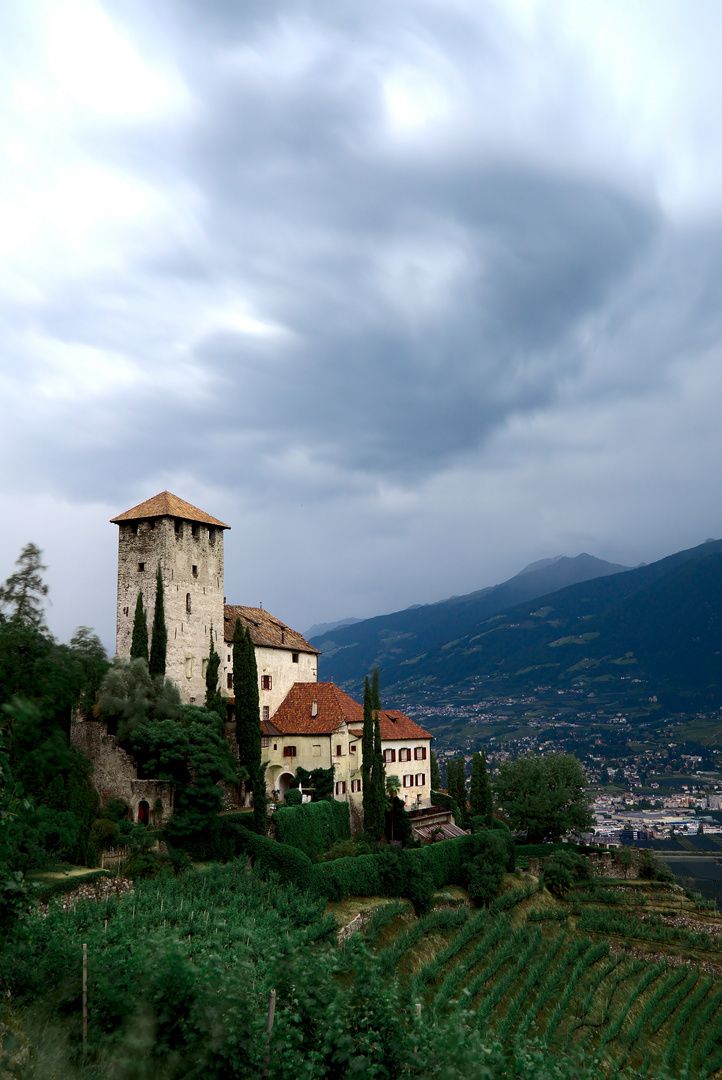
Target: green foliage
372 769
22 595
563 870
214 697
130 696
318 782
482 879
544 796
139 643
248 722
398 822
447 802
294 797
434 772
159 634
313 827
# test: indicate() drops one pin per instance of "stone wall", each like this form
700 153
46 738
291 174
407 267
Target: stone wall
115 774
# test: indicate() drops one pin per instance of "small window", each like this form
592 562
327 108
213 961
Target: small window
188 603
339 750
420 779
126 611
275 746
317 751
189 667
355 785
294 658
134 528
408 781
141 567
340 787
389 755
211 537
177 526
229 681
264 742
204 667
289 751
229 658
265 682
420 753
352 748
194 531
266 712
194 571
405 753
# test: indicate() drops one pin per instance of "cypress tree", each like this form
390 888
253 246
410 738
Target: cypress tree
379 776
253 706
488 810
139 644
159 637
476 796
214 697
435 777
460 794
367 763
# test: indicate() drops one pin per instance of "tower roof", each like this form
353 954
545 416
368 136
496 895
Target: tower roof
167 505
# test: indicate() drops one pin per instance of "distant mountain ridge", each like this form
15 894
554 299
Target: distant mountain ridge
654 629
326 627
387 641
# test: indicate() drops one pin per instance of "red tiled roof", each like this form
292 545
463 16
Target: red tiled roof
396 725
265 629
333 707
167 505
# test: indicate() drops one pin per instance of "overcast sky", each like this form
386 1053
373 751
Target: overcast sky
410 294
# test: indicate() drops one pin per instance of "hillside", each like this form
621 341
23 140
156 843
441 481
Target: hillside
348 652
655 629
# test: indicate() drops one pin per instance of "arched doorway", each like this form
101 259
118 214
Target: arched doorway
143 812
283 782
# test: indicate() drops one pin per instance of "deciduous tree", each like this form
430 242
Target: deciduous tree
544 796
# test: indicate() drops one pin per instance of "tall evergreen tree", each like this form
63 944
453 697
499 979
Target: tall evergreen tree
435 777
379 773
488 810
139 644
375 692
248 716
460 793
367 758
476 795
22 594
214 697
159 636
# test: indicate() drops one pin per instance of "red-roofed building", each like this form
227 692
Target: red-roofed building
320 726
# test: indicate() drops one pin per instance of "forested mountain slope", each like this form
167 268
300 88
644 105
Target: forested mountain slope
657 628
350 651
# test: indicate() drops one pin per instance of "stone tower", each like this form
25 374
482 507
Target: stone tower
187 543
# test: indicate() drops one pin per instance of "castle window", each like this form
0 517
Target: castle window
194 531
294 658
189 667
340 787
266 712
408 781
211 536
389 755
188 603
420 753
355 785
405 754
134 528
265 682
264 742
194 570
229 681
352 748
229 658
141 567
289 751
339 750
177 526
420 779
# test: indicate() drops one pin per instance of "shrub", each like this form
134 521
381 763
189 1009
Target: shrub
294 797
313 827
482 878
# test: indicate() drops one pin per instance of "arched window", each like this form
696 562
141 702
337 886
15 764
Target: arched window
143 812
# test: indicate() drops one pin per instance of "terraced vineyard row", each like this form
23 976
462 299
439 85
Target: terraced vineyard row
560 974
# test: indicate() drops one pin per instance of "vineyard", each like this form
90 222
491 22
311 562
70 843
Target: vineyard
181 970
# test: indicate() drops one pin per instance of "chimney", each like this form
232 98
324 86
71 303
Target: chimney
314 709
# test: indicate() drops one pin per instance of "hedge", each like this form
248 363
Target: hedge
313 828
291 865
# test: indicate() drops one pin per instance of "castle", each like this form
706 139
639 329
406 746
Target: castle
303 722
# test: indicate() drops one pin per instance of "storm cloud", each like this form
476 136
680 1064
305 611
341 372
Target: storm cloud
409 294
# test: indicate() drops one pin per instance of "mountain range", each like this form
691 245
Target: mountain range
350 651
656 629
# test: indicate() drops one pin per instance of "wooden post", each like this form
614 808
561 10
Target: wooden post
85 994
417 1010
